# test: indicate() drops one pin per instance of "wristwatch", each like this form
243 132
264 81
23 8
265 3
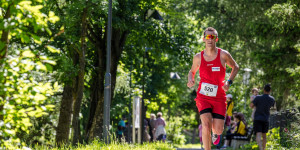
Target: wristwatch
230 82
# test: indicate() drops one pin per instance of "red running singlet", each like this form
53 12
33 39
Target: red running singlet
213 73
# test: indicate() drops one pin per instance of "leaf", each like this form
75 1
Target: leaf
28 53
50 62
50 107
52 17
55 86
39 97
1 45
49 67
53 49
25 38
41 66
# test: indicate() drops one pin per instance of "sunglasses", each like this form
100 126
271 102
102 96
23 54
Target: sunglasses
210 37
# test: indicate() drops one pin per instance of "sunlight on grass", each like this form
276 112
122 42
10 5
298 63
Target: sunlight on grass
114 146
188 146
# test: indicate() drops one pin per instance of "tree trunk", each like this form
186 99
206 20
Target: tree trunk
4 37
118 41
94 128
80 80
63 127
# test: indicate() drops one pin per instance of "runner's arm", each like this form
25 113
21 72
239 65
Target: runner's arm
192 72
232 64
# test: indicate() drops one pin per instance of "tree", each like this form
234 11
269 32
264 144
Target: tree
24 34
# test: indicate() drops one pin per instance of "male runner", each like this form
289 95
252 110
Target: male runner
211 96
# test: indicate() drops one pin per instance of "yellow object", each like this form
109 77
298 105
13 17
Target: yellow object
240 128
229 108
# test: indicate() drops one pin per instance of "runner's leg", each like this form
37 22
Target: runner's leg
218 126
206 120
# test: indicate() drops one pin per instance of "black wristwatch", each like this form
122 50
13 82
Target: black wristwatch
230 82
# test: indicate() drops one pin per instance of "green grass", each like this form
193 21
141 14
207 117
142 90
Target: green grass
96 145
188 146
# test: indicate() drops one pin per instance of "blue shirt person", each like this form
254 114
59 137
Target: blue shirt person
263 104
121 127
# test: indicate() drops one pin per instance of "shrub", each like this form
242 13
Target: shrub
174 130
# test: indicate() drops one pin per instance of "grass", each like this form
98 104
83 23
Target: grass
113 146
188 146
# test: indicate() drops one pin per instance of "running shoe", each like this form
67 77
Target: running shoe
215 139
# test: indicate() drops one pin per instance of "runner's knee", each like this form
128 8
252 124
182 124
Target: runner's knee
206 126
218 131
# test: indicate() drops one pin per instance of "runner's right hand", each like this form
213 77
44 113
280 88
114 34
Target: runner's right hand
191 83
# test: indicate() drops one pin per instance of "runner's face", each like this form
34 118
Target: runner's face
210 42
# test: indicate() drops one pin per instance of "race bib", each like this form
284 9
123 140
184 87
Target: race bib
215 69
209 89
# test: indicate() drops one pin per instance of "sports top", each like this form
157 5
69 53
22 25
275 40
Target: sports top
213 73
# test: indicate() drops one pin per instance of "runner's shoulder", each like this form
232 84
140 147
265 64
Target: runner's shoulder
198 56
224 53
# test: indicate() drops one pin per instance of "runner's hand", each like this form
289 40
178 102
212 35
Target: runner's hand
191 83
225 86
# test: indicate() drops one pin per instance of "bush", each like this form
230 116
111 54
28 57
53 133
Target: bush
174 130
288 139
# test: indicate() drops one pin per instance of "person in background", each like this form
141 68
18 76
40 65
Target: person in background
146 129
121 128
160 132
263 104
228 110
152 126
254 94
240 129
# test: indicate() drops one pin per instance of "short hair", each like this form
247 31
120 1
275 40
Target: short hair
239 116
254 89
210 29
267 87
159 114
152 115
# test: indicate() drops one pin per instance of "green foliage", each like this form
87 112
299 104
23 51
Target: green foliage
251 145
290 136
114 146
273 139
25 72
26 20
23 95
174 130
261 35
287 139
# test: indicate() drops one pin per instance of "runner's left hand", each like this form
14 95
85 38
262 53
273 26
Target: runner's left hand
225 86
